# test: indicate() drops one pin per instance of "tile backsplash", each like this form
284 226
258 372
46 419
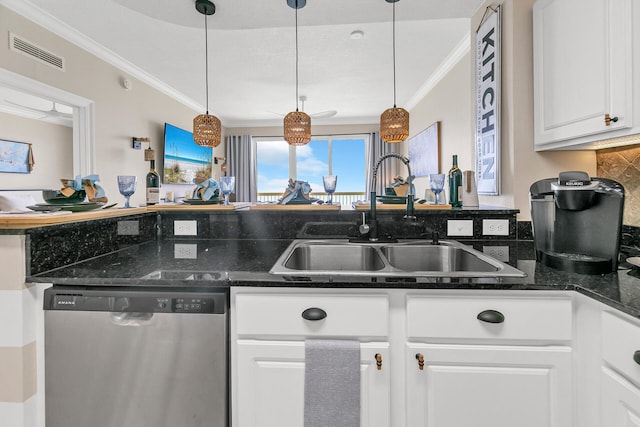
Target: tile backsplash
623 165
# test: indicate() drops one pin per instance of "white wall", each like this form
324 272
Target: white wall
119 114
52 149
448 102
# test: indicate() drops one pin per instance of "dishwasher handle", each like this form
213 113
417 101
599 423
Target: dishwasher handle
131 318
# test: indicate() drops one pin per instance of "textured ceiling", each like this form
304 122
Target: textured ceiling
252 50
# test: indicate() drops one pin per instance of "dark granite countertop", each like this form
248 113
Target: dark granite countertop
246 262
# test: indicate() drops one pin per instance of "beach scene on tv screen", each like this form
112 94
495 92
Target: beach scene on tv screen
185 162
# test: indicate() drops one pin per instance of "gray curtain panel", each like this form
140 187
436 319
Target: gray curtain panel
388 168
241 163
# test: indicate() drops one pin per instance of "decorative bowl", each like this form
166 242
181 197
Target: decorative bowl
55 197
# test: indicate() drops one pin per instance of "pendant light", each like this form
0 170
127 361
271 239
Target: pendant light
394 122
207 129
297 124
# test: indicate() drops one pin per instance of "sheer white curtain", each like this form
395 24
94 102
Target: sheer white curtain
389 167
241 163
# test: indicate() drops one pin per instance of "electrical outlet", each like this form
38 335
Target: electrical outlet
185 251
501 253
128 228
460 227
495 227
185 228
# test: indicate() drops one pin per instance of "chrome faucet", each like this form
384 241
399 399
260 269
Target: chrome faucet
372 227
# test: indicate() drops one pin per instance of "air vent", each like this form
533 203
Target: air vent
18 44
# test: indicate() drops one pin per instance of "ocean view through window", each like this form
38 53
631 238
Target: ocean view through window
344 156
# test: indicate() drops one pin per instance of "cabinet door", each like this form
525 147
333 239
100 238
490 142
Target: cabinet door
582 68
497 386
620 401
269 387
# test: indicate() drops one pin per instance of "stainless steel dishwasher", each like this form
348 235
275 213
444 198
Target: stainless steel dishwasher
136 358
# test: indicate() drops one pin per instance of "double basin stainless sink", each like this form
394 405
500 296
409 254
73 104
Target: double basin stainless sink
411 258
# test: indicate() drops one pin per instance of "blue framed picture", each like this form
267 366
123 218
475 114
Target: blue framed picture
15 157
185 162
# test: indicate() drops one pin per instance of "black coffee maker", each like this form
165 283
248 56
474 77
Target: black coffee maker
576 222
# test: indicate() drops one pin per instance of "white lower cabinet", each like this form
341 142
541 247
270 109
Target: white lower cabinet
270 384
497 386
268 333
499 361
620 401
620 375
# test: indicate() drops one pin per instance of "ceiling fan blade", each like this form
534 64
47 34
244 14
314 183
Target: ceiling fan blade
51 113
55 112
25 107
324 114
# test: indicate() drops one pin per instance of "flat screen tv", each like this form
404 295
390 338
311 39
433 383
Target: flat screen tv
185 162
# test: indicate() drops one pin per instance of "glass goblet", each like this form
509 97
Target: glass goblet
127 186
436 183
227 185
330 182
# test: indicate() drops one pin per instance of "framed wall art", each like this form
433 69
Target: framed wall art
424 151
488 86
15 157
185 162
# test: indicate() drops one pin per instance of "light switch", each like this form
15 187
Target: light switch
460 227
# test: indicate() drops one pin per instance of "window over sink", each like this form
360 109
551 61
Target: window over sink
341 155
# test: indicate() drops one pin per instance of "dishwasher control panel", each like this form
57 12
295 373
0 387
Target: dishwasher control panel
192 305
140 302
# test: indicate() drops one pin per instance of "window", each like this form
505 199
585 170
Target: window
344 156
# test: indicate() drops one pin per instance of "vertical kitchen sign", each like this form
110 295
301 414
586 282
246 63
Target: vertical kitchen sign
488 103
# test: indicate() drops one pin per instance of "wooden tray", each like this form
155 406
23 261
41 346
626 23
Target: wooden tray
309 207
30 220
403 206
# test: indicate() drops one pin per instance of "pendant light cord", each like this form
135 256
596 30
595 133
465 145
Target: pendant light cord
206 62
394 54
296 56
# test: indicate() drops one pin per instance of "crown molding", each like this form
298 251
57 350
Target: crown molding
461 49
38 16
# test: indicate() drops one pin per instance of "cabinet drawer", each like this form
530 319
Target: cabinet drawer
620 341
282 315
458 318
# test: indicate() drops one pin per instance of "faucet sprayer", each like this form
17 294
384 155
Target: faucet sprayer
373 229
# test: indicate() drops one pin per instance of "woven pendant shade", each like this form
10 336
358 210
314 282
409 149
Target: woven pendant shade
394 125
394 122
207 130
297 124
297 128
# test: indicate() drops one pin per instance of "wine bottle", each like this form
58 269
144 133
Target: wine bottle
153 185
455 184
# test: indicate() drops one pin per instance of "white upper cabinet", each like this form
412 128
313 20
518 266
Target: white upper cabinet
584 68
